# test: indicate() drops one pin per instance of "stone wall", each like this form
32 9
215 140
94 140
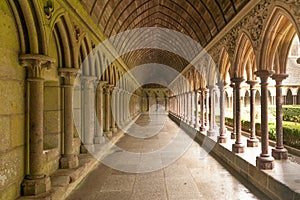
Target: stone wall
12 108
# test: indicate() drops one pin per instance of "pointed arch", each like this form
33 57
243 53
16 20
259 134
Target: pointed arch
245 59
277 38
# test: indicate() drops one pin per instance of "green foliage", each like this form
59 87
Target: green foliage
291 131
290 112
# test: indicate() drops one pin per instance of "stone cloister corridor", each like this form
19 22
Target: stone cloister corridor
154 99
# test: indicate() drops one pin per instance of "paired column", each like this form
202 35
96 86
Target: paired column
69 159
222 137
36 182
264 161
202 101
211 131
252 141
238 147
233 133
279 152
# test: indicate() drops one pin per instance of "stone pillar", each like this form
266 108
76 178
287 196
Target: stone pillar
211 131
88 109
113 126
107 130
69 159
202 101
238 147
264 161
233 133
207 107
192 100
187 104
36 182
196 119
222 137
252 141
166 103
279 152
99 111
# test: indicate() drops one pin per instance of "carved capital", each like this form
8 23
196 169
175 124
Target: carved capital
36 64
69 75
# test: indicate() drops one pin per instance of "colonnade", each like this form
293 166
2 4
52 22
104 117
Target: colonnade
190 107
94 114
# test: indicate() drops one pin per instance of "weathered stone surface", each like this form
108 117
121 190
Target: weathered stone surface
12 97
17 130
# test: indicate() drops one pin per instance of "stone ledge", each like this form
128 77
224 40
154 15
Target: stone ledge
275 184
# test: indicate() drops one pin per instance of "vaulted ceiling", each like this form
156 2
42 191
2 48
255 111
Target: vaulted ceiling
201 20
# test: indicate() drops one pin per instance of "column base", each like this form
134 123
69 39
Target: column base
222 139
69 162
31 187
84 149
108 134
210 133
99 140
264 162
114 130
252 142
280 154
233 136
238 148
202 128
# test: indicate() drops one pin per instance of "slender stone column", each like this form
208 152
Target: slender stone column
187 104
207 107
196 119
264 161
88 109
211 131
238 147
202 101
252 141
222 137
279 152
107 130
100 115
36 182
69 159
233 133
113 127
166 103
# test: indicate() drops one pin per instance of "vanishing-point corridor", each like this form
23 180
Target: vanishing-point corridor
189 177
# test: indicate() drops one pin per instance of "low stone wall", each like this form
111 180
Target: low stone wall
261 180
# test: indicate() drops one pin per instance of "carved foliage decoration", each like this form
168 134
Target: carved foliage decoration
294 6
255 21
48 8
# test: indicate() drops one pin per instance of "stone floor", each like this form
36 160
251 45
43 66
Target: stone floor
191 176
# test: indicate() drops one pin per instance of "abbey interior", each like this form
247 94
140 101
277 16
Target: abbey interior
79 78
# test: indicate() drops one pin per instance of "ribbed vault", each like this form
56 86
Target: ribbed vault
201 20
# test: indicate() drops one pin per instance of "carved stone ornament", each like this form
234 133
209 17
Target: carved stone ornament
48 8
69 75
255 21
294 6
36 64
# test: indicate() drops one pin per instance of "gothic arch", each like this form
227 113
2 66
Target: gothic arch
224 65
276 41
245 59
